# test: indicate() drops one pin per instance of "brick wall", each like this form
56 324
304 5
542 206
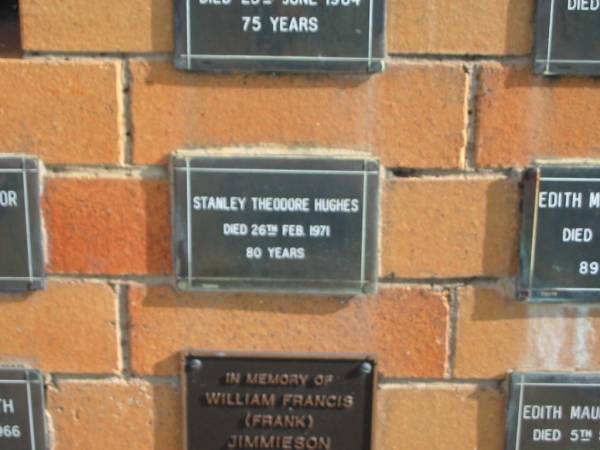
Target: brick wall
455 118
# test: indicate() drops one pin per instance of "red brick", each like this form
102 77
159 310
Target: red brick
481 27
446 227
116 415
69 328
497 334
99 26
413 115
406 327
439 416
108 226
62 111
522 117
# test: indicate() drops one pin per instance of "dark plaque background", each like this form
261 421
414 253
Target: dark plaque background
21 250
22 410
349 38
567 41
343 263
209 427
554 390
550 268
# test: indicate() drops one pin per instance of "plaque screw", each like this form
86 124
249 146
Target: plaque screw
366 368
195 364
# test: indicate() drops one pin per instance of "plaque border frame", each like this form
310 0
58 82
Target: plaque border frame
362 285
36 279
516 383
548 66
264 355
29 382
527 249
183 41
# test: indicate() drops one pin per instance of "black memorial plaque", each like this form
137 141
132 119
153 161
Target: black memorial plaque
301 402
21 248
553 411
280 35
276 224
560 238
22 416
567 37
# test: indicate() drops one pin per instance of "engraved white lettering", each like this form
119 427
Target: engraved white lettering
579 412
577 235
546 435
542 412
335 205
208 203
280 204
583 5
283 24
286 253
8 199
551 199
7 406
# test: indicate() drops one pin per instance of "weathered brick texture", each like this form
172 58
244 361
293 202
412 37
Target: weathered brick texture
99 26
442 228
496 334
115 414
439 416
70 328
65 112
481 27
407 328
108 226
413 115
522 117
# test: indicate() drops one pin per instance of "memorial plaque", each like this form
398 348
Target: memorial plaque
567 37
296 402
21 254
280 35
560 242
551 411
22 412
276 224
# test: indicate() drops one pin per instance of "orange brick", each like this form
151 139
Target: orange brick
481 27
70 327
62 111
98 415
108 226
406 327
497 334
99 26
523 117
450 227
413 115
439 416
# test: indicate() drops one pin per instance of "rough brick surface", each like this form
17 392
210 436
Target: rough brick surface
523 117
483 27
98 415
62 111
497 334
108 226
71 327
439 416
407 328
450 227
99 26
413 115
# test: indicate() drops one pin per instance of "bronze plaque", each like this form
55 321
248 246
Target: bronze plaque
291 402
